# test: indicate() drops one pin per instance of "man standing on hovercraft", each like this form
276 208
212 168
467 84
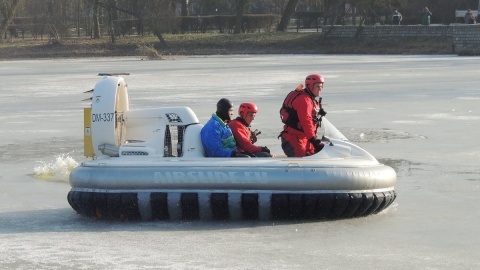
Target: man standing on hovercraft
244 137
301 113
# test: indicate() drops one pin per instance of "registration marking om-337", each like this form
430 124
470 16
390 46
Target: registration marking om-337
103 117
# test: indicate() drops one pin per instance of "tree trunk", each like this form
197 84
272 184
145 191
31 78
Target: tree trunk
289 10
7 10
340 10
112 17
110 23
184 7
360 28
159 35
96 23
239 16
184 13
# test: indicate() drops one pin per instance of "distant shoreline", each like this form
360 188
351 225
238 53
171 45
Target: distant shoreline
149 47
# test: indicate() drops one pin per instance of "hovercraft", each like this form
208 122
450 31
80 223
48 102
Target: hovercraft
149 164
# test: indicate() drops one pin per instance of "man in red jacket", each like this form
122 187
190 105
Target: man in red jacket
243 135
299 135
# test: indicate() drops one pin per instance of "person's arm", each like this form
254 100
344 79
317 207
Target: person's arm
242 137
214 143
304 107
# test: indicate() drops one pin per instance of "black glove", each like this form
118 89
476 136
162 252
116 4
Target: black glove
322 112
237 153
317 144
253 135
265 149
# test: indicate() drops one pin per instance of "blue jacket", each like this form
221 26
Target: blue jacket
217 138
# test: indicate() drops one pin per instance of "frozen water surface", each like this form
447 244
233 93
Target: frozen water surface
418 114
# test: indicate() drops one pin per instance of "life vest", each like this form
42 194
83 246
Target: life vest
289 115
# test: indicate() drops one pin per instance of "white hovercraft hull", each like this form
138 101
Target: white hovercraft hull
141 180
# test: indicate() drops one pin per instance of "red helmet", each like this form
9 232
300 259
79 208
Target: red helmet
314 78
246 108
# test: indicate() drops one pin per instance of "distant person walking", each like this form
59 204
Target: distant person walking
396 17
469 17
426 16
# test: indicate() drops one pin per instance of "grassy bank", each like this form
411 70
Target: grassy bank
209 44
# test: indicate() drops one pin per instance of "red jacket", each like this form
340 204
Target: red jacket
241 132
307 110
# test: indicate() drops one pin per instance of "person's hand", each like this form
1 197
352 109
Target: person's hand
322 112
254 134
237 153
317 144
265 149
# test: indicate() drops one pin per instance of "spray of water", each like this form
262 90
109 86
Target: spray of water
57 170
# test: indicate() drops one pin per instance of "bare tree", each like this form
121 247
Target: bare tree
8 9
160 17
240 7
184 13
184 4
57 17
287 14
60 14
371 11
112 16
96 23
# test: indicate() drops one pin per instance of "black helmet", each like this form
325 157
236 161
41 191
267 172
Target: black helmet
223 106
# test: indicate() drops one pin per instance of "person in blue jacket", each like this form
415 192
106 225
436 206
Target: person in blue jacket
217 137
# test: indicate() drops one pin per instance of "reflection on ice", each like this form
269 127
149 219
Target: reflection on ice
384 135
447 116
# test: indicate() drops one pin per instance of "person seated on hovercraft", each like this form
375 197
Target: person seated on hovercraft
302 113
244 137
216 135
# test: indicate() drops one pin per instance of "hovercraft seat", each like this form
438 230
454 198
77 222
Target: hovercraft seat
167 132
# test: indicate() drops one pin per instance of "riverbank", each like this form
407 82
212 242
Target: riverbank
212 44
